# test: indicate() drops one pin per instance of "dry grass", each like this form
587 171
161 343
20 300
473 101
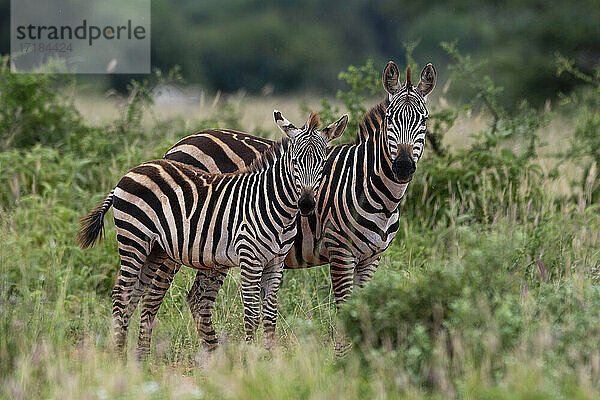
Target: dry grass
256 113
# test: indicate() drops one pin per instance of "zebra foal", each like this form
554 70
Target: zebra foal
169 213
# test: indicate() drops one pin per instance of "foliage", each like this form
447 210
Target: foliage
502 156
34 112
586 135
477 306
416 311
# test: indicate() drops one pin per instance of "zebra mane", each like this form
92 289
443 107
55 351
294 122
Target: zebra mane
267 158
372 121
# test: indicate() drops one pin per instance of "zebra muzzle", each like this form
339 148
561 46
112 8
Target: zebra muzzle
404 166
306 203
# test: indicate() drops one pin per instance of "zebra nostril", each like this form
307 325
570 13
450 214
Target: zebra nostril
306 204
404 166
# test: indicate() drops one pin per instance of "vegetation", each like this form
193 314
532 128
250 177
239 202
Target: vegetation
585 145
490 289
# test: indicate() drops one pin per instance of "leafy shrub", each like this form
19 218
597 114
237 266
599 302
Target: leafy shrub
409 314
34 112
482 298
570 313
473 184
586 136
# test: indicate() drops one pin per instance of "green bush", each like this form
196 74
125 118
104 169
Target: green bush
585 144
409 313
34 112
481 297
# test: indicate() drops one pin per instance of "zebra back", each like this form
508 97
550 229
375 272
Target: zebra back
219 151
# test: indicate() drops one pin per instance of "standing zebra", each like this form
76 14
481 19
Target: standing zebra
170 213
357 203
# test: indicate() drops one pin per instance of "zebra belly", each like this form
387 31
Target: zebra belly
210 251
310 251
207 259
226 254
362 243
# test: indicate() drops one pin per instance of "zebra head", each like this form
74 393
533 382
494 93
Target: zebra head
406 116
308 151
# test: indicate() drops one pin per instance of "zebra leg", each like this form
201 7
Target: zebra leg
138 291
342 279
164 270
271 279
364 273
127 291
201 300
251 277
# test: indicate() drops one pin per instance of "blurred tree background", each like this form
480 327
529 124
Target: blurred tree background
287 46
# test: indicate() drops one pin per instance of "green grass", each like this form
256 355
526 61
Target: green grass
539 342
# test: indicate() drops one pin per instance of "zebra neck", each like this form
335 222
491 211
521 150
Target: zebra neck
276 193
372 124
382 167
373 131
372 134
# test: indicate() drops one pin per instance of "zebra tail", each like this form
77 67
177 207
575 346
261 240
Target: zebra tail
92 225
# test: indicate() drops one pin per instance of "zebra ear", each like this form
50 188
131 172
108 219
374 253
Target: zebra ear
286 126
336 129
391 77
427 82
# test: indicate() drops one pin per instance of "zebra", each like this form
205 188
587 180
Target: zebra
357 213
167 212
